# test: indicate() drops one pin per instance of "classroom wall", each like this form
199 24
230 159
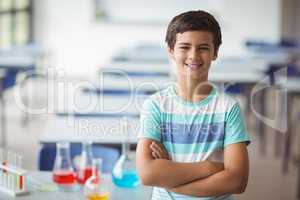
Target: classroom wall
80 45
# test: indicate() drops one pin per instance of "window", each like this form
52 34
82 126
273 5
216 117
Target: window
15 22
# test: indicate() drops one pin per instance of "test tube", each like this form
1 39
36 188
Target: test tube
15 160
21 177
18 161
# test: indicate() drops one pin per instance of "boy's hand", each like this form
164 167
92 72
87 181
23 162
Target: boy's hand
158 151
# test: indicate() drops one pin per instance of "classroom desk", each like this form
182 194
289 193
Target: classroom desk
116 193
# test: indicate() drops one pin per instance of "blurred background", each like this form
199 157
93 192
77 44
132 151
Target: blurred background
54 54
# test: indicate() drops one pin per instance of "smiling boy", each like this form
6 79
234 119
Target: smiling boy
193 140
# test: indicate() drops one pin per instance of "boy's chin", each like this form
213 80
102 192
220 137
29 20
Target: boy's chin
197 77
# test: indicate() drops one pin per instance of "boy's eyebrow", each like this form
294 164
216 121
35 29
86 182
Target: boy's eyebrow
184 43
188 44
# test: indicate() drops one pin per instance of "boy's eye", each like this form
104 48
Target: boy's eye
204 48
183 47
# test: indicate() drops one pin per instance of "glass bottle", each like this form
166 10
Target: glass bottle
84 170
124 172
95 188
63 173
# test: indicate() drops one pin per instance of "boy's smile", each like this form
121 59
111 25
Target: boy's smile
193 52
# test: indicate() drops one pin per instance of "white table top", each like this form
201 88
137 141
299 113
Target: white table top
97 129
17 62
116 193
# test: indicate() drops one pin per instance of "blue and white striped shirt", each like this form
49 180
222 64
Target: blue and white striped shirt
192 132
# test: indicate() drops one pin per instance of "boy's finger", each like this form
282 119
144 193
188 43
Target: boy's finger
156 154
156 147
162 153
160 148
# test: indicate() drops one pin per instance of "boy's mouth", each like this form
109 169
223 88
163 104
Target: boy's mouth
193 66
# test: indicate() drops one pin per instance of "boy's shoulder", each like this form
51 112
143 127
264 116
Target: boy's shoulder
220 99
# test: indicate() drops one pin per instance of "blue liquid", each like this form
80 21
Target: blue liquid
128 180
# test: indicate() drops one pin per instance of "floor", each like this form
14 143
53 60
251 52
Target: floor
266 180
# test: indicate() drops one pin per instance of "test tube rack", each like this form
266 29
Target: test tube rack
12 176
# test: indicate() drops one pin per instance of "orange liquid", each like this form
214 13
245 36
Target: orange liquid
104 196
63 177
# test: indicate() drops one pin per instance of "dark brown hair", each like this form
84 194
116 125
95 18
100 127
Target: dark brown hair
194 21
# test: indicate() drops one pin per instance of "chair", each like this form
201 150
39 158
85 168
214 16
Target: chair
109 155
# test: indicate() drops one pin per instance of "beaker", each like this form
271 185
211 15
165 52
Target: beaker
124 172
95 188
84 170
63 173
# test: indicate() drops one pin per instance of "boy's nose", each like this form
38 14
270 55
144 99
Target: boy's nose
193 55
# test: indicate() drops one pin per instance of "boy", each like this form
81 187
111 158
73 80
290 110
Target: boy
193 138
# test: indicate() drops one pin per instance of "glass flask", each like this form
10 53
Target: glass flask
124 172
95 188
84 170
63 173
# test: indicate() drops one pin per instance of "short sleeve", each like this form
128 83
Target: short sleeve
235 128
150 121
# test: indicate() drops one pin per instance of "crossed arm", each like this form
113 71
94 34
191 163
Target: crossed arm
201 179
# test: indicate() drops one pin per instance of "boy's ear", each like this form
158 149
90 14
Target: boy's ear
170 52
215 54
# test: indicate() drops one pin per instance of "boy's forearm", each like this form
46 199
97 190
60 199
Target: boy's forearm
169 174
224 182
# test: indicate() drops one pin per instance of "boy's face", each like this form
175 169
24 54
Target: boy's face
194 51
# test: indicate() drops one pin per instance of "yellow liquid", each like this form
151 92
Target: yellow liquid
104 196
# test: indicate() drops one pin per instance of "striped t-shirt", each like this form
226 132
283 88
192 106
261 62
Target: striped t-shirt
192 132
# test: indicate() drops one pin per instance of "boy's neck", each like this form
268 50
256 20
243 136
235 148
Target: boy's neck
193 91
